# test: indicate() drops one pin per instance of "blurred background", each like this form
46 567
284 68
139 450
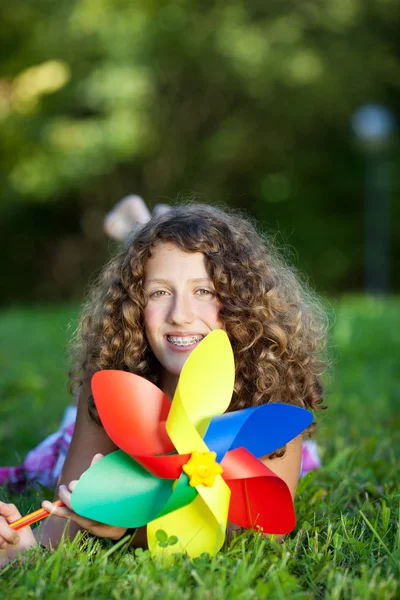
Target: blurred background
287 109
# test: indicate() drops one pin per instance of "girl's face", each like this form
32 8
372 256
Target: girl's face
182 307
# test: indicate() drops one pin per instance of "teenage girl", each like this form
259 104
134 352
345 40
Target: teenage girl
184 273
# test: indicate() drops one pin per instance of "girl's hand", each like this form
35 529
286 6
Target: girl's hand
66 512
12 542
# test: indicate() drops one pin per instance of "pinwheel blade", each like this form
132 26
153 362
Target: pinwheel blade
260 499
166 467
133 412
183 494
261 429
195 526
118 491
204 390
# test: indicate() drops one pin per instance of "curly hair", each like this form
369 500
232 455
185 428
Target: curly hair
275 323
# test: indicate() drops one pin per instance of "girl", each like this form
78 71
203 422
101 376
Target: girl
186 272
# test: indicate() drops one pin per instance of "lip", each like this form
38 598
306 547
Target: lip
184 333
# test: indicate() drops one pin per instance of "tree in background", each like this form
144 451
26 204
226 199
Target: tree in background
246 103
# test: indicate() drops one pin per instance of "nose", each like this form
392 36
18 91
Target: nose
181 310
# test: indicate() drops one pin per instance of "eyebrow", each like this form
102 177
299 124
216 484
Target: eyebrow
196 280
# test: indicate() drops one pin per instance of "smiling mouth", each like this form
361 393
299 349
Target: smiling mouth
184 341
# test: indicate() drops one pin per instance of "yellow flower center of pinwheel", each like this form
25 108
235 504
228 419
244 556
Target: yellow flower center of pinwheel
202 468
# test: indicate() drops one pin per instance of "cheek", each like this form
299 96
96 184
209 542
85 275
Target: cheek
221 323
211 314
151 319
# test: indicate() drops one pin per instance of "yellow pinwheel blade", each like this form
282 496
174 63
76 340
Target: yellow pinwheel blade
204 390
199 526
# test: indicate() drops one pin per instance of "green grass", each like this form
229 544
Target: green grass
347 542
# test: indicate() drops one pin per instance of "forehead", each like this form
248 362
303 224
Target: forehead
167 259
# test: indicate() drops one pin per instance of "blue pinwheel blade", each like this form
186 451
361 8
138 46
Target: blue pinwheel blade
261 429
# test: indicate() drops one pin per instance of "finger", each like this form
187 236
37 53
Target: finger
65 496
7 535
70 515
66 513
72 485
96 458
9 511
57 511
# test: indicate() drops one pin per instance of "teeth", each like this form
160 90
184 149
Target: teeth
184 341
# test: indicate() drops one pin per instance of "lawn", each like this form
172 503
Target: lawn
347 541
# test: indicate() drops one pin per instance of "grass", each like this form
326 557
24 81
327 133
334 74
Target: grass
347 541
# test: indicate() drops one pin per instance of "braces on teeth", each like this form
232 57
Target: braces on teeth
184 341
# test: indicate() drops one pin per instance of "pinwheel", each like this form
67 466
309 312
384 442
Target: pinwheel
185 467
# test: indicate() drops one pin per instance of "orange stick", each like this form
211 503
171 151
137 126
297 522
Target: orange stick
33 517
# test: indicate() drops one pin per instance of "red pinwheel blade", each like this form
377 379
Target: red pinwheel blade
260 499
133 412
166 467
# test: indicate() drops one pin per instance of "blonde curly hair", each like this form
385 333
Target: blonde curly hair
275 323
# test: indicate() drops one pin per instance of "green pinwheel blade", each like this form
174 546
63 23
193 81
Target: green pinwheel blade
183 494
116 490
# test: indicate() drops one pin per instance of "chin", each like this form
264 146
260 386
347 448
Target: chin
175 367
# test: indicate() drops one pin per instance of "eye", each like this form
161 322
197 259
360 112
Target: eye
204 292
158 294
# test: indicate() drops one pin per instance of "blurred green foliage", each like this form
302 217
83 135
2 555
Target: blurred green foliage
247 104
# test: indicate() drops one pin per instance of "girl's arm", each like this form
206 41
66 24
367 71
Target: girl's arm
287 468
88 440
289 465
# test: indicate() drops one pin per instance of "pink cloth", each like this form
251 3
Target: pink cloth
310 459
43 464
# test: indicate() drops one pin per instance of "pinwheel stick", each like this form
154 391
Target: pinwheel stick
33 517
